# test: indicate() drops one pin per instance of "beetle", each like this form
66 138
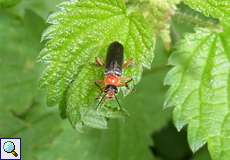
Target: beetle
113 72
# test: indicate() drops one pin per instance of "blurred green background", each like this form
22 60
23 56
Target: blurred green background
148 134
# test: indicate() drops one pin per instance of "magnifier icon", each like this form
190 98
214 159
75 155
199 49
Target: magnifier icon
9 147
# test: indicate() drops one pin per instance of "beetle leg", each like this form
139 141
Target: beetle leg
125 83
128 79
99 62
127 64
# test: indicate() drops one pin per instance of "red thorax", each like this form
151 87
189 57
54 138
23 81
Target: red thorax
112 80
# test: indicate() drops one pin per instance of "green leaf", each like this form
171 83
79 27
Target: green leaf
19 45
125 139
81 31
18 72
41 7
8 3
200 90
22 111
202 154
38 131
188 16
219 9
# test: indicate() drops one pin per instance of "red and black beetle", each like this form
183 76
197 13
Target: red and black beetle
113 72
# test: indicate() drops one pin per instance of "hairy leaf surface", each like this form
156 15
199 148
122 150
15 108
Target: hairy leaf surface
125 139
200 90
81 31
216 8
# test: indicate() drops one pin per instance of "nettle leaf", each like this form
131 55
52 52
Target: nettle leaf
19 70
200 90
120 140
22 111
81 31
8 3
127 139
215 8
38 130
42 7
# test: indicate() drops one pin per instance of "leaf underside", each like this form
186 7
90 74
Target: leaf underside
81 31
200 90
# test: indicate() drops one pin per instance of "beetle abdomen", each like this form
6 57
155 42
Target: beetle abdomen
114 59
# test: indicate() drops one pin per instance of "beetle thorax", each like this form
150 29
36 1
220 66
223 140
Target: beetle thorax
112 80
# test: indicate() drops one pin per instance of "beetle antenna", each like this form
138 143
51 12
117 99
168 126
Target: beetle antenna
98 105
118 102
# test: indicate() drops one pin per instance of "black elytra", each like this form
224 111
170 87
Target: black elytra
114 59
